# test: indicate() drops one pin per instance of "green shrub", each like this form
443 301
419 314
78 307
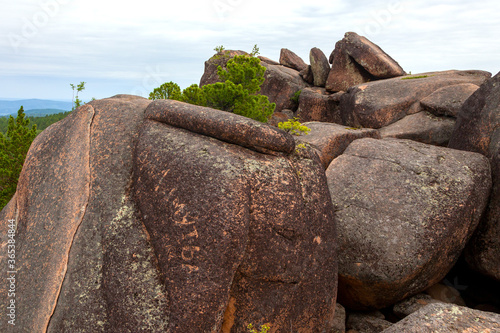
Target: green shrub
237 93
293 126
168 90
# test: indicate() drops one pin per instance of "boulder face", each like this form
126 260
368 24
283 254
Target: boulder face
380 103
478 130
316 105
291 60
355 60
330 140
241 237
280 85
422 127
447 101
86 263
447 318
398 203
319 66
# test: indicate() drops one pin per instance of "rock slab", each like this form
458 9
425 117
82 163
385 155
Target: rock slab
405 211
241 236
447 318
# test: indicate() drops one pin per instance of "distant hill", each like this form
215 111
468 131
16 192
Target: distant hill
42 112
8 107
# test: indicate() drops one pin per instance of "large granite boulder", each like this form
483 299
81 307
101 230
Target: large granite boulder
330 140
405 211
447 101
316 105
83 260
243 230
210 222
319 66
422 127
292 60
478 130
447 318
380 103
280 85
355 60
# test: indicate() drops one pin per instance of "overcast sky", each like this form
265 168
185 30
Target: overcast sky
131 47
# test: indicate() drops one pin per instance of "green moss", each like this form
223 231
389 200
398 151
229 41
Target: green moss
414 77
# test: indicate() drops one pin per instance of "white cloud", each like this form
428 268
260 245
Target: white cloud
116 42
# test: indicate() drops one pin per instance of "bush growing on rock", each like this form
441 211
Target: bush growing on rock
168 90
238 93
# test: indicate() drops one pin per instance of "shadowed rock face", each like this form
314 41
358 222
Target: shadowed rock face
241 237
478 130
405 211
316 105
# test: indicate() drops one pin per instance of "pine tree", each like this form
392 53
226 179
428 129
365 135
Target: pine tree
14 147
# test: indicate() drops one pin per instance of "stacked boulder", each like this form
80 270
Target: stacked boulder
140 216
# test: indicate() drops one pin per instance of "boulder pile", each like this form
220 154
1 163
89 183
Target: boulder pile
140 216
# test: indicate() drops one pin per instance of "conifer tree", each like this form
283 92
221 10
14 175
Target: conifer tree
14 147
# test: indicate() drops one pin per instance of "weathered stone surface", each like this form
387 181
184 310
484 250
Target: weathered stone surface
291 60
219 59
280 84
345 72
225 126
447 318
267 60
447 101
85 260
241 237
478 129
445 294
373 59
380 103
330 140
339 319
307 75
316 105
319 66
422 127
412 304
367 322
356 60
478 121
405 211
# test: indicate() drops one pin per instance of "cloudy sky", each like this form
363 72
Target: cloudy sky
131 47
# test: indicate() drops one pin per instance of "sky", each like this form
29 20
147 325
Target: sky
132 47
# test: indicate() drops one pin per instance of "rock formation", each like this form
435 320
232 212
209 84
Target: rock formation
397 204
356 60
171 217
478 130
140 216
